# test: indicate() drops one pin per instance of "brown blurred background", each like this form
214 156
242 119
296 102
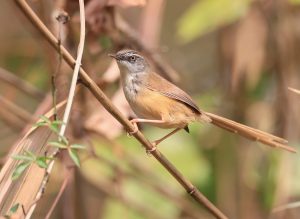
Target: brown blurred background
236 58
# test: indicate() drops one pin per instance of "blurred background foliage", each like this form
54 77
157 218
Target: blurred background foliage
204 16
235 57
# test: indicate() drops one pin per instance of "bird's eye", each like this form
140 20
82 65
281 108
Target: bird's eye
132 58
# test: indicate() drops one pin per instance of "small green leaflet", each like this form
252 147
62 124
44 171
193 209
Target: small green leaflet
14 208
42 162
20 169
58 144
77 146
74 156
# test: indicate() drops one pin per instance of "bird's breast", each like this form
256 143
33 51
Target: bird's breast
131 86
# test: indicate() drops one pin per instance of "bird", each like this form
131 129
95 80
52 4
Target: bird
160 103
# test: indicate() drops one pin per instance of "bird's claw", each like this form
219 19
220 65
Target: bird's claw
150 151
135 130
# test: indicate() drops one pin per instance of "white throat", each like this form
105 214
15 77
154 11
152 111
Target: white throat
131 83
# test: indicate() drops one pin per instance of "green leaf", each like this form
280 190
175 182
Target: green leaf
64 140
45 119
42 162
22 157
54 128
20 169
39 124
27 156
57 144
14 208
77 146
49 158
30 154
58 122
74 156
55 125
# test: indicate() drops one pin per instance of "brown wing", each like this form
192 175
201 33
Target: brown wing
161 85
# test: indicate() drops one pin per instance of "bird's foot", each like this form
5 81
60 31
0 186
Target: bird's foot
150 151
135 130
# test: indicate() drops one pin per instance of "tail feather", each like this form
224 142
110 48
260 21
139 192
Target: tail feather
250 133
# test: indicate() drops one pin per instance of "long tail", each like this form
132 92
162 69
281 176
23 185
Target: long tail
250 133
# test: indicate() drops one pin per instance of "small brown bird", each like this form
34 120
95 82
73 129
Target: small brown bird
160 103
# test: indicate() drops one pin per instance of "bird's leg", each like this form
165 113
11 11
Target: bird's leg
155 143
153 121
135 121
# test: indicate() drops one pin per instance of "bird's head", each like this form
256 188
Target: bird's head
130 61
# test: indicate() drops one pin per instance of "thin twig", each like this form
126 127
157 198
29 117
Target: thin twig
294 90
71 92
76 69
286 207
20 84
58 196
53 77
62 19
107 104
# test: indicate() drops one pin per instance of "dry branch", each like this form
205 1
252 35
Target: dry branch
76 68
59 194
294 90
11 120
20 84
70 99
105 101
16 110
